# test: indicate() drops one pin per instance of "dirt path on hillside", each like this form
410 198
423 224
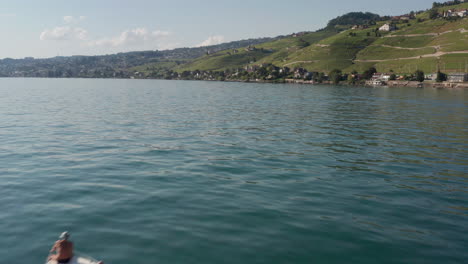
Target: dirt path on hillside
412 35
296 62
461 30
403 48
437 54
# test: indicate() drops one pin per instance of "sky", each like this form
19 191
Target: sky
48 28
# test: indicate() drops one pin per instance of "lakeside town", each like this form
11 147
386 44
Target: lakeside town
269 73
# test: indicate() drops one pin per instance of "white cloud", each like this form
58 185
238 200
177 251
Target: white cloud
68 19
134 39
69 32
71 19
137 37
213 40
160 33
64 33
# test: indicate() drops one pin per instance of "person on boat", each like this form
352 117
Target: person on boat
63 249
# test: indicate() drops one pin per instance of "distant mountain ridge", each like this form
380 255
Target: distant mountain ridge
108 65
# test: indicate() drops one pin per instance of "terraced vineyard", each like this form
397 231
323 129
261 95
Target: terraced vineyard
421 43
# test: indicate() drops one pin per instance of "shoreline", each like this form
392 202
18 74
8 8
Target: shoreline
401 84
412 84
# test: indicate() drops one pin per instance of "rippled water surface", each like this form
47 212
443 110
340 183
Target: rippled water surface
206 172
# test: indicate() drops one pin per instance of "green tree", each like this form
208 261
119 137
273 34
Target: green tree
392 77
353 18
419 76
262 71
318 77
168 74
335 76
322 77
315 77
369 73
185 74
433 13
441 77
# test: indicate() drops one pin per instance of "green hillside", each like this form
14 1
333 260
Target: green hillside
419 43
275 52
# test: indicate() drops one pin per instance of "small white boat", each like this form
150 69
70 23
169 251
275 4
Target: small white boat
77 260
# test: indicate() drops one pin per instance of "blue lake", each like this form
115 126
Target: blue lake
147 171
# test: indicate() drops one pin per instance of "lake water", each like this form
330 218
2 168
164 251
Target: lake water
146 171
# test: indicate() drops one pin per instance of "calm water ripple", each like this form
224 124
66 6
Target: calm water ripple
206 172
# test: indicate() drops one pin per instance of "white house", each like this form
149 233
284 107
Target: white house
387 27
432 76
457 77
462 13
375 83
381 77
455 13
